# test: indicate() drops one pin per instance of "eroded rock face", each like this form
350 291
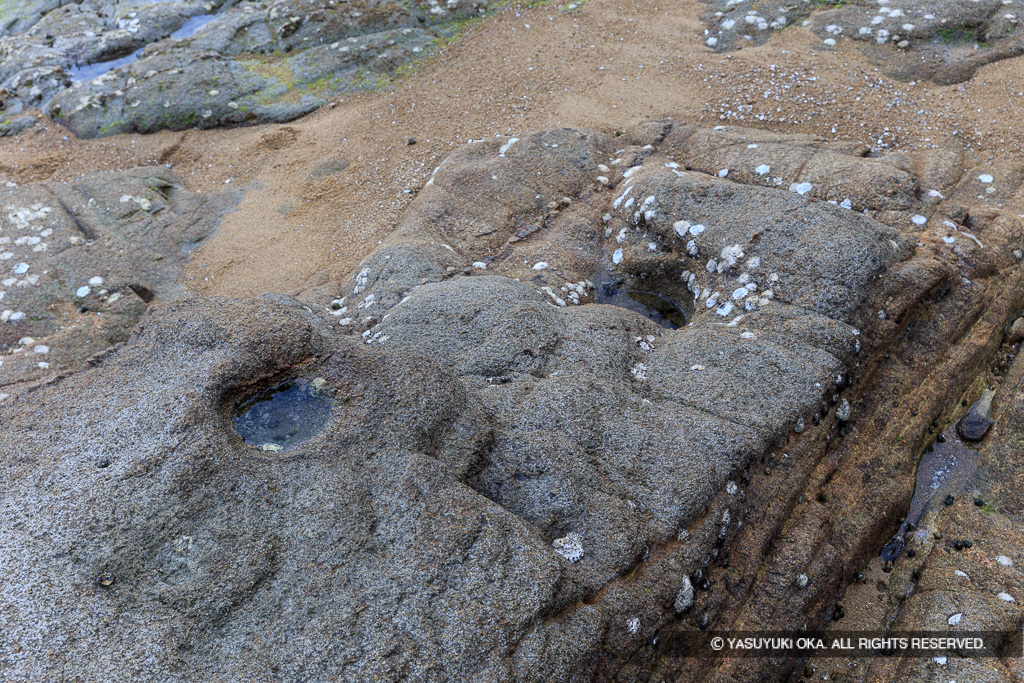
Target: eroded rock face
18 15
944 41
80 262
517 482
121 67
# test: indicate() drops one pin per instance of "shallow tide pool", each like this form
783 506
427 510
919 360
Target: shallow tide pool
284 416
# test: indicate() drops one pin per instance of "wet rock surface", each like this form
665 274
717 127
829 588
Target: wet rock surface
943 41
115 67
516 482
80 263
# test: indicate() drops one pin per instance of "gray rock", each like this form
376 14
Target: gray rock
513 478
944 41
1016 332
18 15
80 262
127 67
16 125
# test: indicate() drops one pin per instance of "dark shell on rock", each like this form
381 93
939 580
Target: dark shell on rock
892 549
973 427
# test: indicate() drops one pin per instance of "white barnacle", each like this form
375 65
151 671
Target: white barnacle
559 301
639 372
684 598
621 197
729 256
570 546
507 146
363 279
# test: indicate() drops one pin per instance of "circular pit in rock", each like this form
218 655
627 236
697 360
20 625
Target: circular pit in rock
285 415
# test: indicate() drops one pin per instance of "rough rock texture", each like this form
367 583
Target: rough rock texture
79 264
517 482
944 41
120 67
18 15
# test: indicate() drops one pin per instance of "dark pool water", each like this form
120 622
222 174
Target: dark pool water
86 72
284 416
190 27
609 289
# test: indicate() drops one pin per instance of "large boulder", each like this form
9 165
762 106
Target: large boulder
116 67
583 403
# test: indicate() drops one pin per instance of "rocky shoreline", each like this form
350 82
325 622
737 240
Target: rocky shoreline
515 482
124 67
596 393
